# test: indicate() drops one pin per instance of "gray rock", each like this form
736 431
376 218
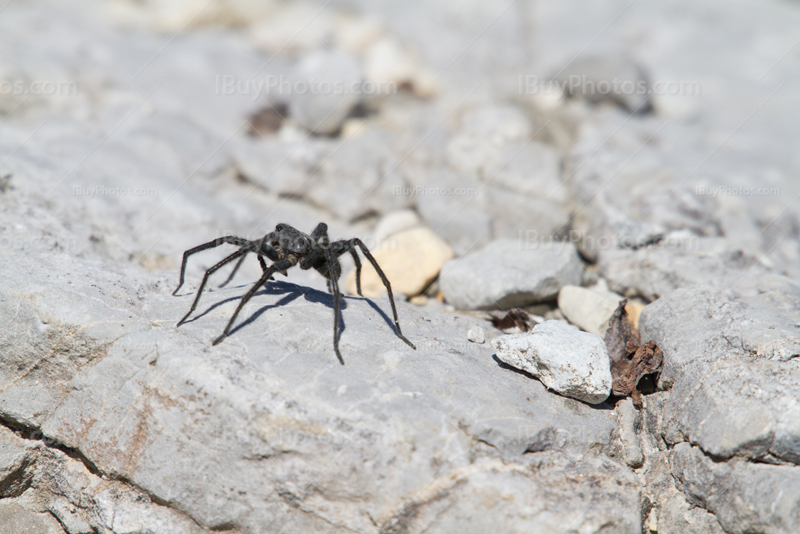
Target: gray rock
729 355
469 500
632 451
265 411
598 226
744 497
566 360
457 218
510 273
680 260
725 357
15 456
528 168
677 516
15 519
325 90
58 486
314 170
597 79
525 216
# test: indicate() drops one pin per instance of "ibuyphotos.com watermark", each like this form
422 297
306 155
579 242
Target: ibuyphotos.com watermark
724 190
278 85
581 84
101 191
430 191
38 87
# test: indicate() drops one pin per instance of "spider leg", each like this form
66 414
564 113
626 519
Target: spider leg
334 284
239 264
233 272
357 261
385 281
230 239
280 266
241 252
320 231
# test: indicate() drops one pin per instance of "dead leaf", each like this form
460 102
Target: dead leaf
630 360
515 317
621 338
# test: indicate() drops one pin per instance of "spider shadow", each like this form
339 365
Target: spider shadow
292 292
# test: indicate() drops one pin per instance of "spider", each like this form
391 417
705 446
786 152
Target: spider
287 247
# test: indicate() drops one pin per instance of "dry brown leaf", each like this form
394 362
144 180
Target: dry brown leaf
513 317
630 360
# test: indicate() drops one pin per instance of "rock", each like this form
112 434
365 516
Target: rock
678 261
268 420
457 218
616 80
410 259
14 457
476 335
731 406
15 519
326 87
525 217
570 362
598 226
677 516
632 451
529 168
725 357
588 309
67 490
472 496
509 273
371 171
393 223
494 146
744 497
267 120
313 169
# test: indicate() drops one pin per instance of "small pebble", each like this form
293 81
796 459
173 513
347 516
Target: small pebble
410 259
476 335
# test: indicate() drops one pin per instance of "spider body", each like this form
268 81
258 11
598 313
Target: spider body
287 247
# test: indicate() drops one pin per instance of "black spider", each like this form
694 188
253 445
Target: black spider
287 247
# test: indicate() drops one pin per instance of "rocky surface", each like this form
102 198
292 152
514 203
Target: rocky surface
182 399
570 362
510 273
133 131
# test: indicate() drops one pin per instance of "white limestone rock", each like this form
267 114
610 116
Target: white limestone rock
566 360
